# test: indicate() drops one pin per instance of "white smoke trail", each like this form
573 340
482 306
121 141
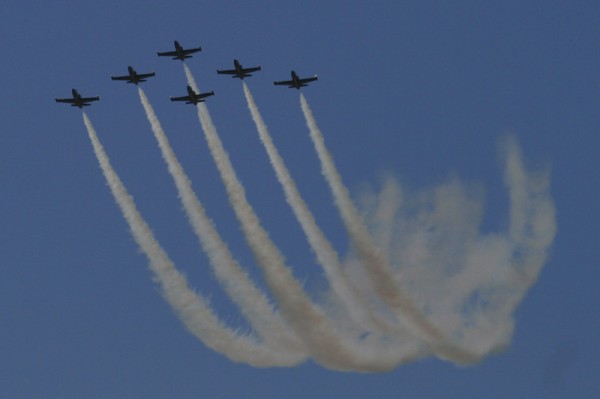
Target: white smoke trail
532 213
532 230
192 309
252 302
308 321
469 282
354 302
378 267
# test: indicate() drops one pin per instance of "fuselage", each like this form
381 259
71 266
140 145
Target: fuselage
133 76
179 49
77 98
296 80
191 92
194 98
180 54
135 79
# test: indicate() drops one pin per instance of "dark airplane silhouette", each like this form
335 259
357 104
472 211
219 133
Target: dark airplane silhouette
77 100
239 71
296 82
193 97
133 76
180 53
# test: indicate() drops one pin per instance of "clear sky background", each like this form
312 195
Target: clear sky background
422 90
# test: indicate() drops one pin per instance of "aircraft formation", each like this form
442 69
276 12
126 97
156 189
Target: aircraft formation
192 97
372 320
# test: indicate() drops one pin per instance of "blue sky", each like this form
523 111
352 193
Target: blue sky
421 90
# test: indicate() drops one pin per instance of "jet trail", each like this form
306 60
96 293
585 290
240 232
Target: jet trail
374 261
531 231
532 225
354 301
532 213
469 283
192 309
253 303
308 321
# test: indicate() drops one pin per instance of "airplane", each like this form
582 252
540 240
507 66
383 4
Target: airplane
296 82
77 100
193 97
180 53
239 71
133 76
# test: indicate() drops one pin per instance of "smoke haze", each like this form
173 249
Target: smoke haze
421 278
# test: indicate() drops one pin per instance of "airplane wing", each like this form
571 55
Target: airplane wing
65 100
168 54
250 70
234 72
120 77
306 80
146 75
89 99
184 98
284 83
204 95
192 50
227 72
